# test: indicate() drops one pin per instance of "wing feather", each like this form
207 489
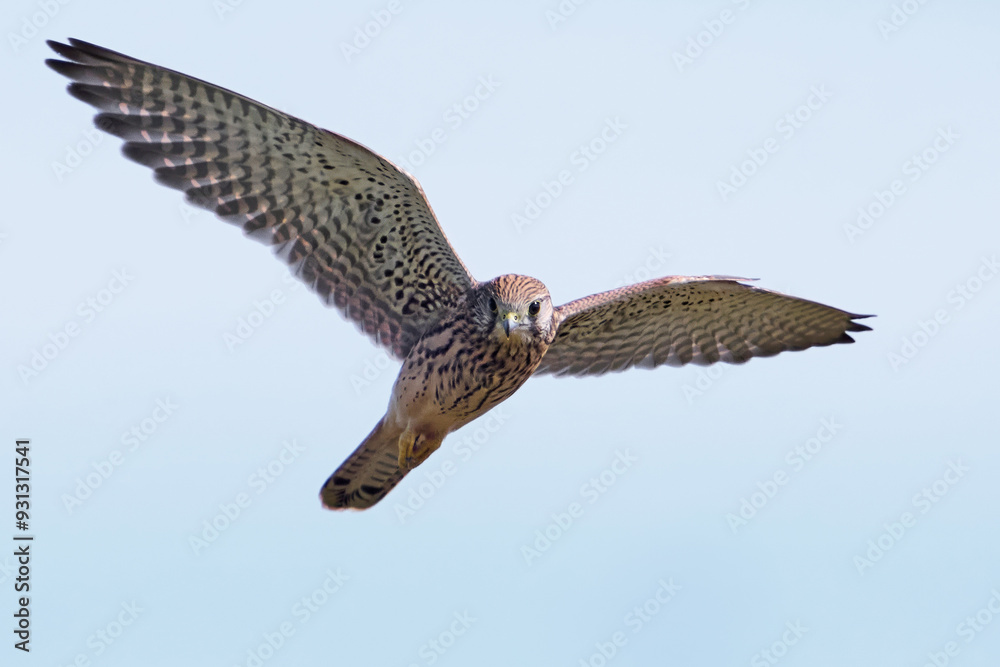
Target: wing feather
679 320
354 227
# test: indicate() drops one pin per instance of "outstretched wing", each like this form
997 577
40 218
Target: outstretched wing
678 320
355 228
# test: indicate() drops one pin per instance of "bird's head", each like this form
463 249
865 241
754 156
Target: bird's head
515 309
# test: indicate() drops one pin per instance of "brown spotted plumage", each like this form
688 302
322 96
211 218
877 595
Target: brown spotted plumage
353 227
475 357
360 233
679 320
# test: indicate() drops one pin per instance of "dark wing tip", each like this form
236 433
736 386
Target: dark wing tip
84 63
65 50
856 326
71 67
64 67
88 95
85 52
853 326
77 50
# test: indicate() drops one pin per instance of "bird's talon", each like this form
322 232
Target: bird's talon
414 448
406 443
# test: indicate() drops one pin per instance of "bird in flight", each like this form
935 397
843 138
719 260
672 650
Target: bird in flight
359 232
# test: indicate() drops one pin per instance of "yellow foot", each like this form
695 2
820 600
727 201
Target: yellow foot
414 448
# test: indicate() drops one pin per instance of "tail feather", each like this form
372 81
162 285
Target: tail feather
368 474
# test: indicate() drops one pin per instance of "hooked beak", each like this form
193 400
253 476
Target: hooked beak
510 323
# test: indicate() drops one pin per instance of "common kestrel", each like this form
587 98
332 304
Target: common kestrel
360 233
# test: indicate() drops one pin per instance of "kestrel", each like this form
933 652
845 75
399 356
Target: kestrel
359 232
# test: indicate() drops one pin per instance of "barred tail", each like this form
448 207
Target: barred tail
367 474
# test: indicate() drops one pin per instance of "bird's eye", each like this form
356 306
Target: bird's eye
493 305
534 307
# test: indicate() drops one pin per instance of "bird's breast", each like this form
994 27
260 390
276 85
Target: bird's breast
456 373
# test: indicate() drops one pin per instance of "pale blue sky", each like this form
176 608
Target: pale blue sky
598 133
